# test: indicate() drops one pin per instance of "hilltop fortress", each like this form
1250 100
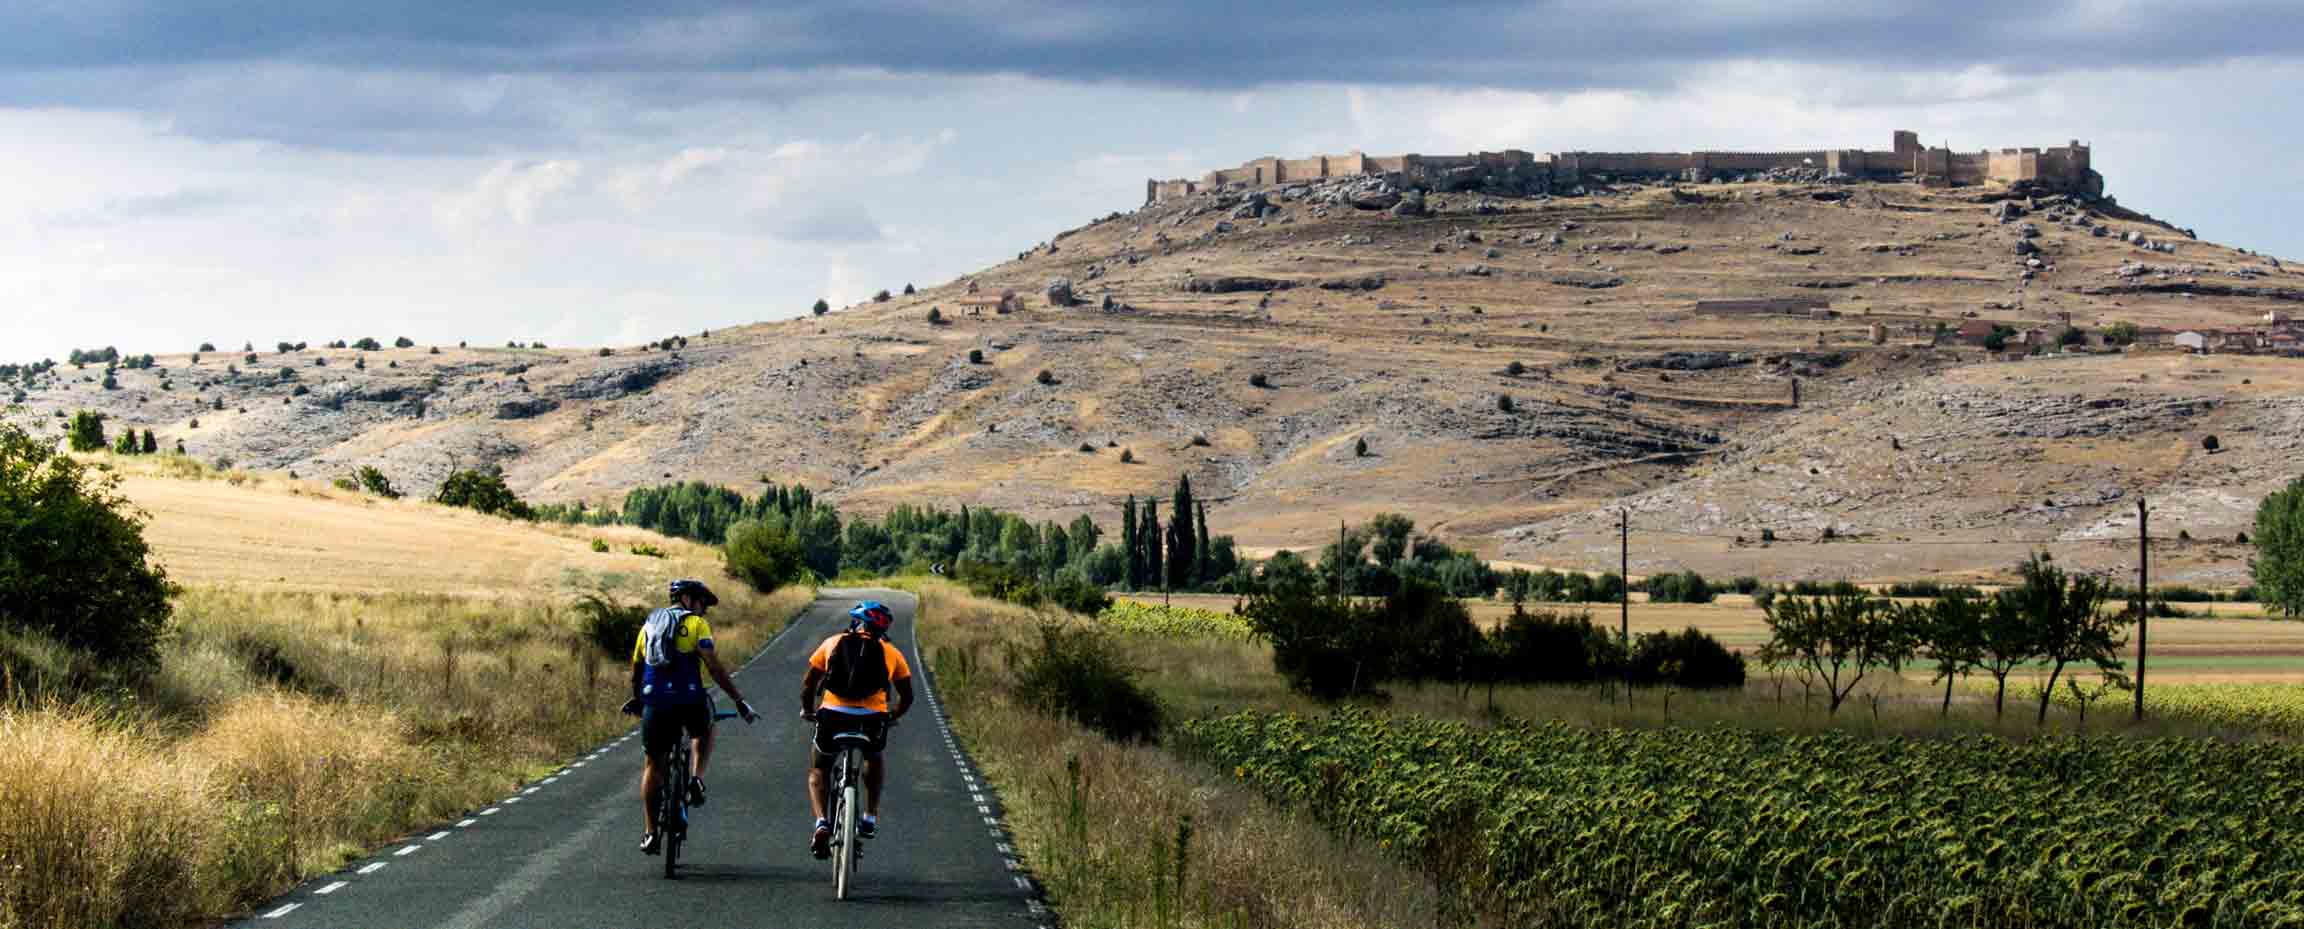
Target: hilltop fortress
2063 168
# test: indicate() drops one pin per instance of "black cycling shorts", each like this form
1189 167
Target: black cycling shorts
829 724
659 725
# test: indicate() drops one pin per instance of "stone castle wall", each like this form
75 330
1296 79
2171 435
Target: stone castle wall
2063 167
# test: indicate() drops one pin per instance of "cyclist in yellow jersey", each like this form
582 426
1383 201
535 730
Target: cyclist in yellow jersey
853 673
669 659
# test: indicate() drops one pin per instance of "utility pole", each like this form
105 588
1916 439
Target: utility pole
1624 588
2143 598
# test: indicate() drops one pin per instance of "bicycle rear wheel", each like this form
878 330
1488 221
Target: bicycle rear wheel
844 862
672 820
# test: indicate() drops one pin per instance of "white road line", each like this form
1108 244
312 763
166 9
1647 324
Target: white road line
466 824
332 888
549 780
491 811
530 791
1004 848
283 911
511 799
579 764
410 850
1012 865
437 836
1021 882
981 808
979 798
371 869
991 821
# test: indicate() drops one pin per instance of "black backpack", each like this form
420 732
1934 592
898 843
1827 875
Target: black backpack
857 669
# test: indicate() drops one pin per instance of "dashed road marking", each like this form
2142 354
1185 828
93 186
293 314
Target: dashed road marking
491 811
372 868
530 791
511 799
437 836
466 824
332 888
410 850
283 911
549 780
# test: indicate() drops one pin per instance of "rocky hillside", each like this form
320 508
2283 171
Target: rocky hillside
1517 368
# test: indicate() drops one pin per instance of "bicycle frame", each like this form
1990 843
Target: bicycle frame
847 803
672 800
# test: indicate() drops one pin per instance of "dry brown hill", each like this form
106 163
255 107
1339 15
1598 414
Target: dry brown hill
1251 343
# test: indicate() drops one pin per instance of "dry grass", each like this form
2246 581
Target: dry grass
300 717
1101 823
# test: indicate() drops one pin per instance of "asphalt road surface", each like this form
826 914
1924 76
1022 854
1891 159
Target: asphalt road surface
564 852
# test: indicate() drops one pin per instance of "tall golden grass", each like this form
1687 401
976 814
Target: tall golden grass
286 732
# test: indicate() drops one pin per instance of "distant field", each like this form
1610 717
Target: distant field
281 535
2239 644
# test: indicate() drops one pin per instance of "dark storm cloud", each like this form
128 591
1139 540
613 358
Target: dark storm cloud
410 74
1195 43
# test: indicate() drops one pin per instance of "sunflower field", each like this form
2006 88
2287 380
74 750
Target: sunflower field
1181 622
1560 825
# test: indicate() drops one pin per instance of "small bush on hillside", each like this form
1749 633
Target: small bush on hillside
1045 377
1081 674
975 356
86 433
403 342
74 566
346 485
1515 369
366 345
908 291
821 307
600 546
1504 403
882 297
207 346
1127 456
935 316
646 550
374 481
763 555
1259 380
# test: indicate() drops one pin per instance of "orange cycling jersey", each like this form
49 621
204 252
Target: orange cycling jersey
898 670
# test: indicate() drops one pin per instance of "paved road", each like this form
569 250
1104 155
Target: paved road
563 852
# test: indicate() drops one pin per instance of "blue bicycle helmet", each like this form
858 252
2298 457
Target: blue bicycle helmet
873 613
696 589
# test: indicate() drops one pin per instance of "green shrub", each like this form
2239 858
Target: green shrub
600 545
484 491
1690 659
374 481
1683 587
610 626
74 566
1080 674
1075 593
87 432
646 550
763 555
1550 647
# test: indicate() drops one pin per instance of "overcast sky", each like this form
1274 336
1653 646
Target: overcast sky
582 171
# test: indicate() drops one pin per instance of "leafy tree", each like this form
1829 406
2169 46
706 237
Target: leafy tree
935 316
1388 538
908 291
1135 553
2122 333
2067 619
1148 535
367 345
821 307
1504 403
1835 640
151 444
1953 630
1683 587
127 444
483 491
2278 568
882 297
975 356
86 434
1360 447
207 347
403 342
763 555
74 566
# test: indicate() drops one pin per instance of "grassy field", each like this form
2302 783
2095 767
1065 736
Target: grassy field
342 670
2238 644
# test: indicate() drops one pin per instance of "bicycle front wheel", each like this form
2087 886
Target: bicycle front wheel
851 805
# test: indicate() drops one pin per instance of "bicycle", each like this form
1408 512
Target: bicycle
672 801
848 805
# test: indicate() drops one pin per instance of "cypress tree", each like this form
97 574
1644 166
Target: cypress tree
1128 543
1183 561
1149 536
1200 550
